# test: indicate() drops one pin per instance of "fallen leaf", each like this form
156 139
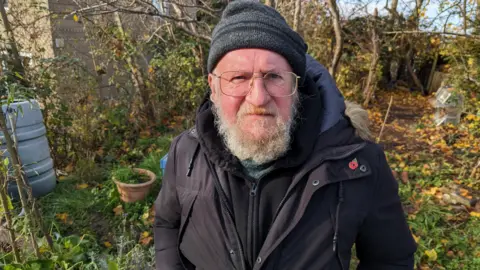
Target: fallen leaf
146 241
107 244
82 186
463 192
145 134
416 238
69 168
118 210
145 234
475 214
431 254
75 17
431 191
63 217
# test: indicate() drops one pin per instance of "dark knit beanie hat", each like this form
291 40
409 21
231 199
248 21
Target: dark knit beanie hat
250 24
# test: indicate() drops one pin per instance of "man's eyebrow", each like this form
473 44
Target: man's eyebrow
270 70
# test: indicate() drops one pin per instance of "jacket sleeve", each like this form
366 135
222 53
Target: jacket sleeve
167 218
384 240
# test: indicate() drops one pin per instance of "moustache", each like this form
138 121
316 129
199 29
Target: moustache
256 111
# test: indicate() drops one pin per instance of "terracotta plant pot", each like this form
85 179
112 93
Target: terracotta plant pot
136 192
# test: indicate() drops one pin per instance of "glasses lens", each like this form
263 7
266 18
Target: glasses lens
280 84
235 83
238 83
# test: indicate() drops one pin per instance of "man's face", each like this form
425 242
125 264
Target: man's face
256 126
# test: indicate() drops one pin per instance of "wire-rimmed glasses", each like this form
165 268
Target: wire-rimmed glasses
239 83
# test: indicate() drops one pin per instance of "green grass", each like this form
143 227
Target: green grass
72 210
89 209
447 236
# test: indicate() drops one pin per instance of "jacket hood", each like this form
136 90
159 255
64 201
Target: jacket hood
324 120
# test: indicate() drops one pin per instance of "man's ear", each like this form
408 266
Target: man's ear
213 90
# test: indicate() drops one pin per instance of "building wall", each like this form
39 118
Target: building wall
31 25
68 36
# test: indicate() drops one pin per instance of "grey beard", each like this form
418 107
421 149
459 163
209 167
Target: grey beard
260 151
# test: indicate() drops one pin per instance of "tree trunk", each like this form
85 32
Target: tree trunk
409 57
371 80
270 3
332 4
136 75
8 217
476 29
392 59
465 18
477 15
432 72
296 16
17 61
415 79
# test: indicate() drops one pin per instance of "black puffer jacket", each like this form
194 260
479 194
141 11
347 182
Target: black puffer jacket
341 191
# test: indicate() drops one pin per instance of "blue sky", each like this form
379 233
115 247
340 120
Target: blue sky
349 7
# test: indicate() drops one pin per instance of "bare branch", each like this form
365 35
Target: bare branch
433 33
188 31
87 8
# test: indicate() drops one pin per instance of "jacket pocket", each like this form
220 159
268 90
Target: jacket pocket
188 202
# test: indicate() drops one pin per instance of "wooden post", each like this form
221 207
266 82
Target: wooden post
385 120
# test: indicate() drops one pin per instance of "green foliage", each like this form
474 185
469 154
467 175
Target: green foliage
152 160
179 78
463 70
128 176
89 171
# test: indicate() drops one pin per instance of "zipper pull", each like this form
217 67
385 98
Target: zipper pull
253 190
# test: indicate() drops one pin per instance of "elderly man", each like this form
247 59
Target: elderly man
276 173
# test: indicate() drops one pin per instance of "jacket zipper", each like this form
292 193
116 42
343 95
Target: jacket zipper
226 207
316 164
252 224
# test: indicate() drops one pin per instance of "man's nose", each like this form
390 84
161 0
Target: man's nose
258 94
